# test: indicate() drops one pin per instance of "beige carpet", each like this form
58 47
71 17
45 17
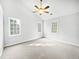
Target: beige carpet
41 49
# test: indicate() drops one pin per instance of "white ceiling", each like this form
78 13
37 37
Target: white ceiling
57 7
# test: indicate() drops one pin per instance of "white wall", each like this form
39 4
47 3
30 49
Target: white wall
1 31
68 28
22 9
29 29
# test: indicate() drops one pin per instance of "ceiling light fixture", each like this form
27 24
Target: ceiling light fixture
41 9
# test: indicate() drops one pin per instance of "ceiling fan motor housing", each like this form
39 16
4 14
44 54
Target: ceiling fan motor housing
41 0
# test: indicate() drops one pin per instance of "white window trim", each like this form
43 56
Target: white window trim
19 22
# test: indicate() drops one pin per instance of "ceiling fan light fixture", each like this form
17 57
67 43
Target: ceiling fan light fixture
41 9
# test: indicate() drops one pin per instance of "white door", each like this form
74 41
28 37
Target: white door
1 31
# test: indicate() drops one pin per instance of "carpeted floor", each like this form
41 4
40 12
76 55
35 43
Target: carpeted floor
41 49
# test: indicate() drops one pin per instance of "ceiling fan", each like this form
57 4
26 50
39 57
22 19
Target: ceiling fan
41 9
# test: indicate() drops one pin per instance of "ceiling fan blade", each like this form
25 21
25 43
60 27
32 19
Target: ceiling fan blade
46 11
46 7
34 11
36 6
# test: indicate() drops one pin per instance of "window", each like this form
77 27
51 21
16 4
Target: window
39 27
54 27
14 26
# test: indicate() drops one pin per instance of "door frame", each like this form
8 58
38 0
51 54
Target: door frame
1 30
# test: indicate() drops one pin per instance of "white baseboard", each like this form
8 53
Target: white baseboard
8 45
61 41
67 42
